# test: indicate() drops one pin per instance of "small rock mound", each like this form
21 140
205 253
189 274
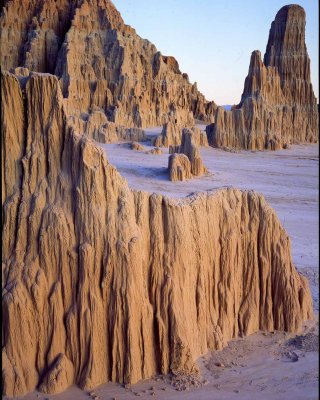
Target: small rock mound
308 342
136 146
179 167
156 150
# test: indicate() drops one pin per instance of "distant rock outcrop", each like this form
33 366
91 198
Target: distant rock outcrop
278 106
100 62
96 126
199 137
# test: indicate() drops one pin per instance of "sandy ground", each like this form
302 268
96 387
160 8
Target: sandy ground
262 366
275 365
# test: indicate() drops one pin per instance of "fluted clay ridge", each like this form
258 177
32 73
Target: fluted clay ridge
278 106
104 283
101 63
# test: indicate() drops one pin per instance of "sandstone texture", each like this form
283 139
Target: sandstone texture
104 283
100 62
97 127
278 106
179 167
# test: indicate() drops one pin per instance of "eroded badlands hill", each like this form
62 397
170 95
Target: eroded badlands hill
278 106
101 63
104 283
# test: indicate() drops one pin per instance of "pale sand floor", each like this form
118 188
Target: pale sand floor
263 364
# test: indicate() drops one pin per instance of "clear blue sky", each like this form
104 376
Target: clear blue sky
213 39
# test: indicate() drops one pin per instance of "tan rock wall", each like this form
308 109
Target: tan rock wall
104 283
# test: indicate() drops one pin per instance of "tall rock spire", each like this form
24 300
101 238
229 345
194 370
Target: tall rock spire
287 51
278 106
287 43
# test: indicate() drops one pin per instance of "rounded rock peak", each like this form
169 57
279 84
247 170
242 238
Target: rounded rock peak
290 10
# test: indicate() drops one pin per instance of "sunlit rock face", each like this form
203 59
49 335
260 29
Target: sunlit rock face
100 62
278 106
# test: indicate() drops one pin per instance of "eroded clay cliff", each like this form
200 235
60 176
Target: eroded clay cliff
101 63
104 283
278 106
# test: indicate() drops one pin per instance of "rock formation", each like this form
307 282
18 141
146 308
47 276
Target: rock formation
278 106
100 282
191 151
170 136
179 167
104 283
100 62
